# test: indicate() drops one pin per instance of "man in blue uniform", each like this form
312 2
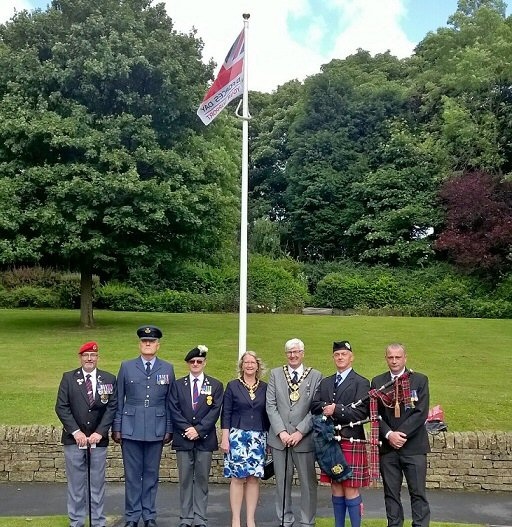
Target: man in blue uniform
196 400
143 425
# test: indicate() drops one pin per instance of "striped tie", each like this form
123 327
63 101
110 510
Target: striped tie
88 387
195 394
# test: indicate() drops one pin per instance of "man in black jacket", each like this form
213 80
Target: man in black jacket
195 403
404 409
86 405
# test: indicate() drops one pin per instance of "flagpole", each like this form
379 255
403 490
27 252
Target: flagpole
242 318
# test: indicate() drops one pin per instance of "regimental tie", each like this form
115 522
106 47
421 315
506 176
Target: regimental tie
195 394
148 368
88 387
295 377
339 379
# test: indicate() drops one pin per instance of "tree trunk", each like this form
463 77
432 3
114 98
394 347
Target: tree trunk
86 313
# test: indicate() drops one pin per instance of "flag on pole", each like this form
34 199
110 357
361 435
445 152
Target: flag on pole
228 85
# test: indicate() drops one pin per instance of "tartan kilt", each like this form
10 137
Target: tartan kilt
357 457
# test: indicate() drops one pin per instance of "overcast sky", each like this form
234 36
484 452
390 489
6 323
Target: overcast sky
291 39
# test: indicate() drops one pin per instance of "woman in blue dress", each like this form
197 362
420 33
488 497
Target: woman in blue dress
244 424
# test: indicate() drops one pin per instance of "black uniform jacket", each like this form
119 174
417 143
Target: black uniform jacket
203 418
353 389
72 406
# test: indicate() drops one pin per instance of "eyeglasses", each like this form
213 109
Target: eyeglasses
294 352
89 355
196 361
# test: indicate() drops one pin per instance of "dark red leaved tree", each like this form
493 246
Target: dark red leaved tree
478 226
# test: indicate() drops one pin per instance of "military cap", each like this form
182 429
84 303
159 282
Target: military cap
88 346
341 345
198 351
149 333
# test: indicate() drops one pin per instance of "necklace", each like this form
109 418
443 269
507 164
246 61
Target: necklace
250 389
293 388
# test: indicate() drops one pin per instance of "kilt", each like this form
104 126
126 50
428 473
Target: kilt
357 457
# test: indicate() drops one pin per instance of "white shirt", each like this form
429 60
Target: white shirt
299 370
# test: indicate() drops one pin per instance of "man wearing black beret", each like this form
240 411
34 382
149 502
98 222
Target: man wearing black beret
195 403
333 399
143 425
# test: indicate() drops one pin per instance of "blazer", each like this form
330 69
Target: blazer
240 411
142 401
203 418
351 390
286 415
411 420
73 410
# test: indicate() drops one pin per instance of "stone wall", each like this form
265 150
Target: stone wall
459 460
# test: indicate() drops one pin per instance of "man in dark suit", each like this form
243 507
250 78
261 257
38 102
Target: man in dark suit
143 425
195 402
333 400
404 410
289 394
86 404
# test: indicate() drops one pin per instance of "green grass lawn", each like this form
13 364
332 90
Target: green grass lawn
468 361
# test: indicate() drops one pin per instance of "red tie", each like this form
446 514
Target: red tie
88 387
195 394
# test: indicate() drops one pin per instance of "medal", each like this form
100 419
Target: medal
292 386
250 389
294 396
104 398
209 400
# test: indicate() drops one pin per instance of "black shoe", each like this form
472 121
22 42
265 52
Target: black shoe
150 523
131 524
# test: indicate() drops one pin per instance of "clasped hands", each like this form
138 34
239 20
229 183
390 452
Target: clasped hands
81 439
290 439
397 439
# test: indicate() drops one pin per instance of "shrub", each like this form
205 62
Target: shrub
118 297
273 288
504 289
30 296
202 278
34 276
480 308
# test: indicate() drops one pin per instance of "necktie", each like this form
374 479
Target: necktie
195 394
295 377
148 368
339 379
88 387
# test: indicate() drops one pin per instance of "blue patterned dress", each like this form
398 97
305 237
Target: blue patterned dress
247 447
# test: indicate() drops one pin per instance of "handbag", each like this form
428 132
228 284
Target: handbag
268 468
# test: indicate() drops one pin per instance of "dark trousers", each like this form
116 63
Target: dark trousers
141 461
393 467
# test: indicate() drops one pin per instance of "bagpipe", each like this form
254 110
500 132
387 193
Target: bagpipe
328 453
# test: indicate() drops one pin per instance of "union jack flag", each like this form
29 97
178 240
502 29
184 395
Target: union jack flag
228 85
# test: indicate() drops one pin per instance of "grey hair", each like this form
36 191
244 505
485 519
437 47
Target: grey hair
292 343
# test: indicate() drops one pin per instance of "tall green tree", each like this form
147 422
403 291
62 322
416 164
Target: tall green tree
343 119
102 158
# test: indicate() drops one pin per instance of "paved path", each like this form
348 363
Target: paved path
41 499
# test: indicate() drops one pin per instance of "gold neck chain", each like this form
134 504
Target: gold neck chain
250 389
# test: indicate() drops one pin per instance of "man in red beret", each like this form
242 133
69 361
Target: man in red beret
86 405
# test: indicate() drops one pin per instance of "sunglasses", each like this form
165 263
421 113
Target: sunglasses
196 361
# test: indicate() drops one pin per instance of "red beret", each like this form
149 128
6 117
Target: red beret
88 346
